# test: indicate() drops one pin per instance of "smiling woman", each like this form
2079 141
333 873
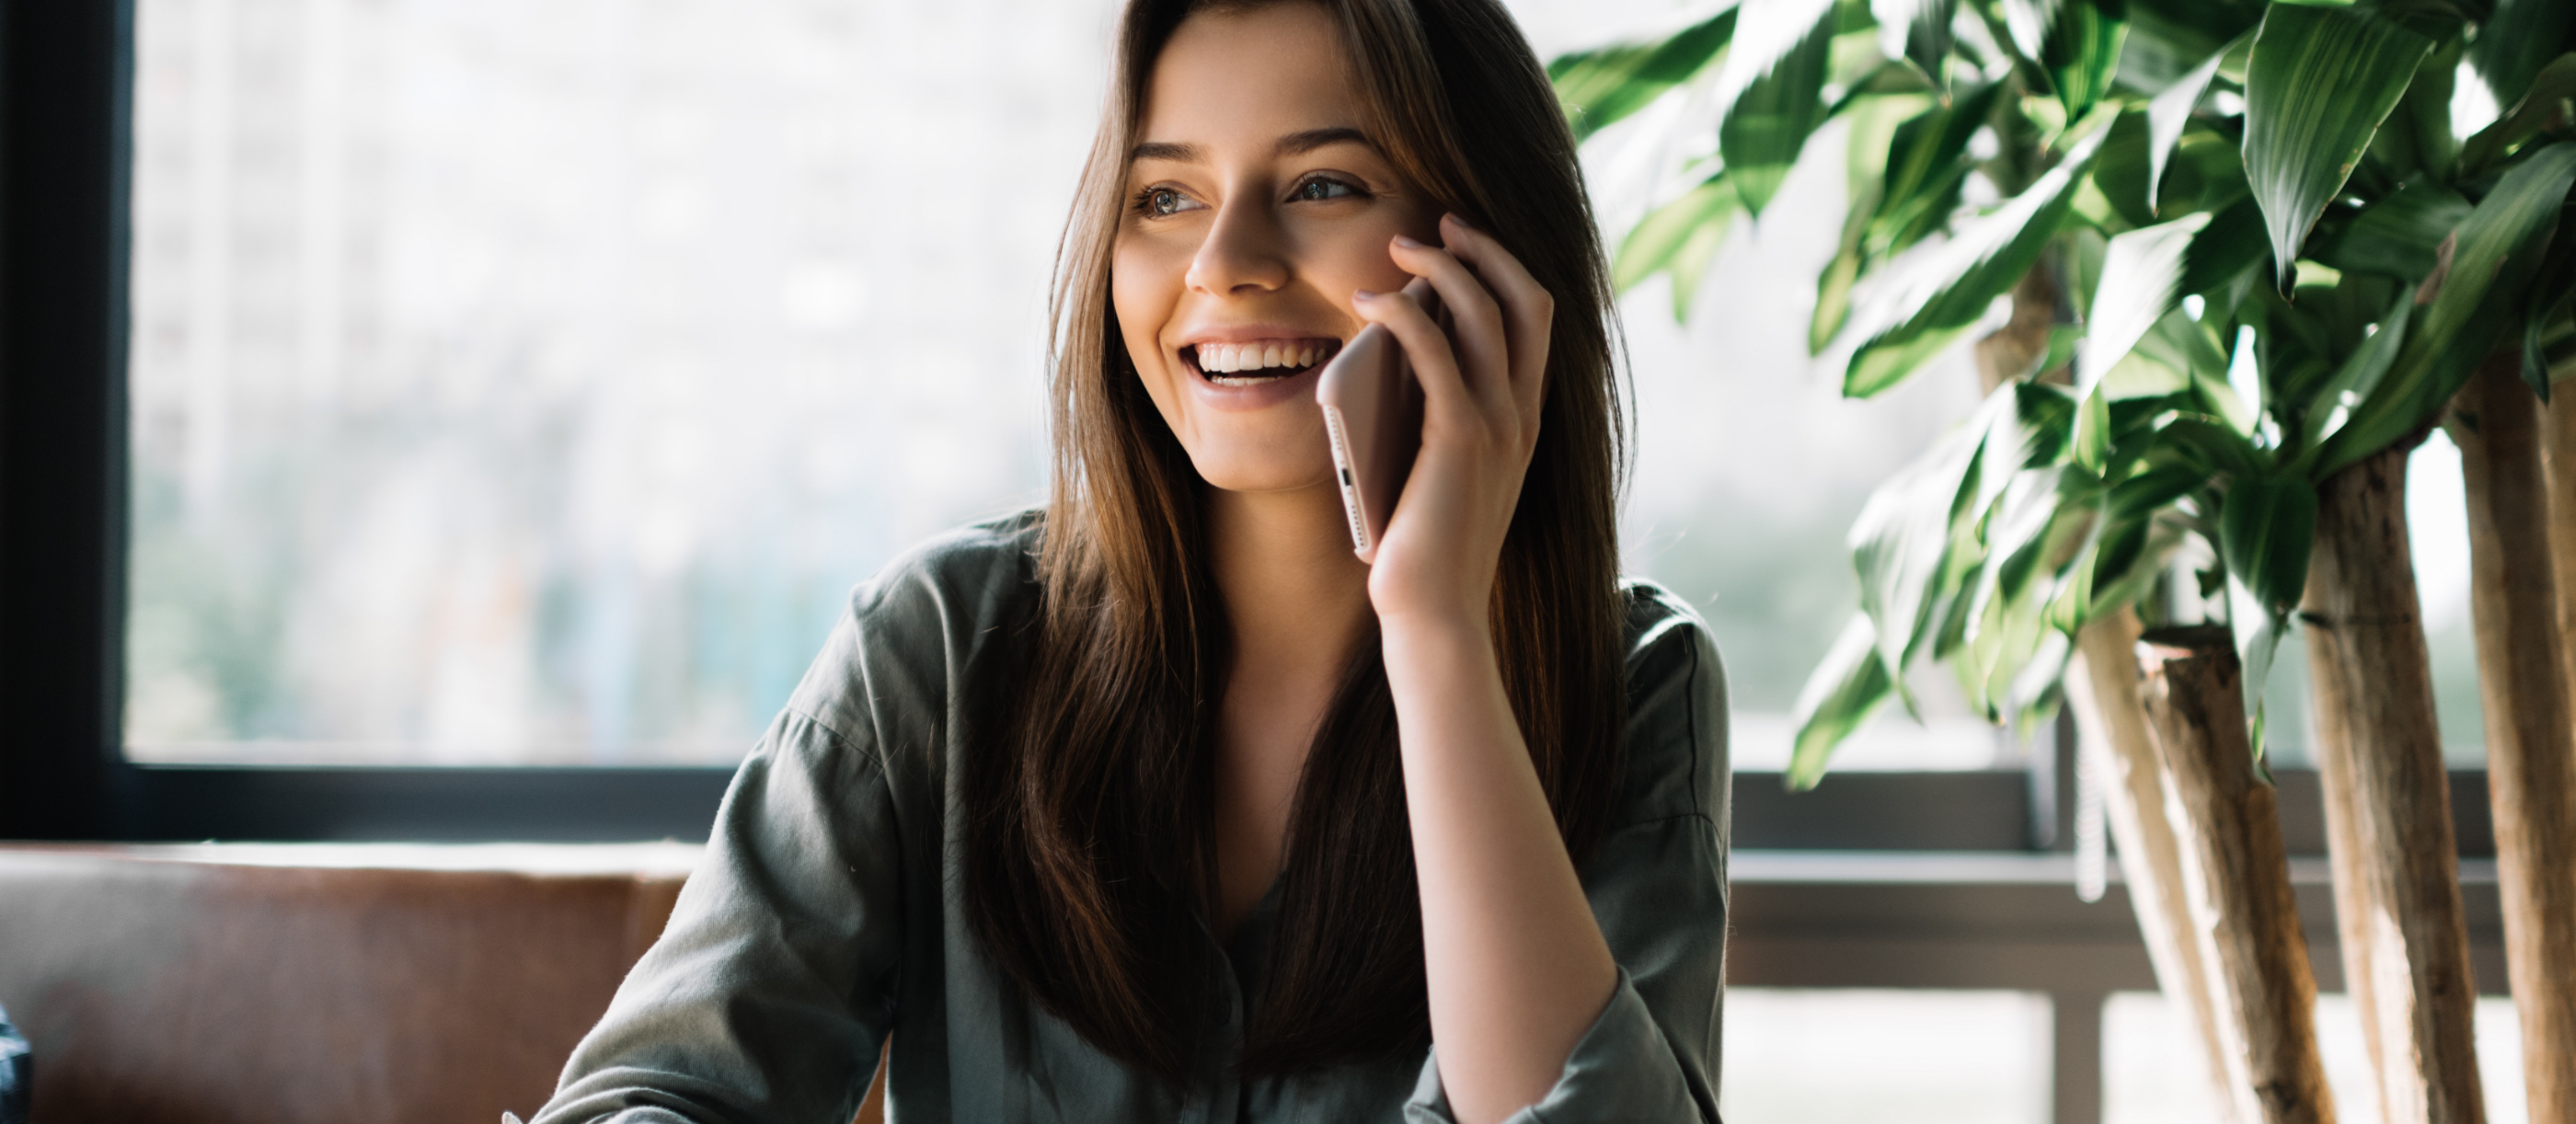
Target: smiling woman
1159 803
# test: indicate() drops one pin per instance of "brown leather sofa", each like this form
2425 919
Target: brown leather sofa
284 984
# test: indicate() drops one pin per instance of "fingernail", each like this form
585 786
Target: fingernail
1363 295
1407 243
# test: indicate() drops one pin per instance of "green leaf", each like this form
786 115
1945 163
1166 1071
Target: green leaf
2259 650
1873 128
2141 278
2213 445
2267 524
2545 108
1917 31
2143 378
1926 161
2231 244
2169 37
2206 172
2416 140
1946 290
2093 429
2151 491
1772 91
2115 199
2125 569
1669 235
2317 85
2359 375
1902 541
2515 42
1915 543
2498 247
1603 85
1840 694
1834 288
1690 264
2397 236
2036 529
2081 50
2171 110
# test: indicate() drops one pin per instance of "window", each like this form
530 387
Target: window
527 386
522 385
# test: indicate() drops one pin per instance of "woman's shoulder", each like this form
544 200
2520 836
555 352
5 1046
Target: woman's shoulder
978 566
1660 632
1677 709
914 627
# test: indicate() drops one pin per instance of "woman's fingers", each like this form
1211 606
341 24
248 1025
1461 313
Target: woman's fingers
1435 365
1483 340
1529 309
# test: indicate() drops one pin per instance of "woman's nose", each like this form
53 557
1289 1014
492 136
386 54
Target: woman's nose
1244 250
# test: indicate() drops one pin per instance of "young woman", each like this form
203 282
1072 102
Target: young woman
1159 804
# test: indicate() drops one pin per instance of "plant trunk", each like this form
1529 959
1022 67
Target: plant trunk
2388 810
2236 874
2111 731
2531 744
2011 351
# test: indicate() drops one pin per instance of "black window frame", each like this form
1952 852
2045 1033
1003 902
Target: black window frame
66 81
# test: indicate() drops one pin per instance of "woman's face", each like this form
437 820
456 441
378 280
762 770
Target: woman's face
1254 209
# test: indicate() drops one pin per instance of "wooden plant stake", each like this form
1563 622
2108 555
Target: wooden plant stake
2111 731
2388 810
2236 872
2531 745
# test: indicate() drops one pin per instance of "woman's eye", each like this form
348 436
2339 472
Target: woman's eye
1317 190
1163 201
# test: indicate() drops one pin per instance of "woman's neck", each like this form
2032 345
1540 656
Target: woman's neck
1298 602
1294 593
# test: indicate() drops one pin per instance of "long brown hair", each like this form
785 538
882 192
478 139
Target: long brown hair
1088 866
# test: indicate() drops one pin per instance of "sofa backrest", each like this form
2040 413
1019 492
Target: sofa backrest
324 983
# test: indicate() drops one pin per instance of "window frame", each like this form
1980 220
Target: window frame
66 88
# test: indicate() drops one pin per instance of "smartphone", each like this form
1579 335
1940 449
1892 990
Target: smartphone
1373 414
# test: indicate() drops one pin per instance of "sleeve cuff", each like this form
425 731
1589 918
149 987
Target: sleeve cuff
1622 1069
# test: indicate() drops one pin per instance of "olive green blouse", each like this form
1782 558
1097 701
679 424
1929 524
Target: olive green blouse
827 913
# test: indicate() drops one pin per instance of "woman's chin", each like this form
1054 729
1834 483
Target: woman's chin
1232 471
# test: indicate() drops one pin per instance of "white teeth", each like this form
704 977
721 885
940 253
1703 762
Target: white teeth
1226 358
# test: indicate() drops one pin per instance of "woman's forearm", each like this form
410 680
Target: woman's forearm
1516 964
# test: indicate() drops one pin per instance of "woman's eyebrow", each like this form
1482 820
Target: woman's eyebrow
1294 144
1174 151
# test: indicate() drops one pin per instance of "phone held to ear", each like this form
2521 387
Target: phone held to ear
1373 414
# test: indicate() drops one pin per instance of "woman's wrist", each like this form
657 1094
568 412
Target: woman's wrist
1443 636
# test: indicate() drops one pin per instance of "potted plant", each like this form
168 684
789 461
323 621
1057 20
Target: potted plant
2248 265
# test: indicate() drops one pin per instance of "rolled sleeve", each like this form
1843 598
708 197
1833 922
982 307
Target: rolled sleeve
1613 1074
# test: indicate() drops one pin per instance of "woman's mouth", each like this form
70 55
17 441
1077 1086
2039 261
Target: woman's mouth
1254 362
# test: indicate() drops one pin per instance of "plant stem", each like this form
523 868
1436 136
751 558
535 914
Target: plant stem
2388 811
2111 726
2531 745
2237 873
2009 352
